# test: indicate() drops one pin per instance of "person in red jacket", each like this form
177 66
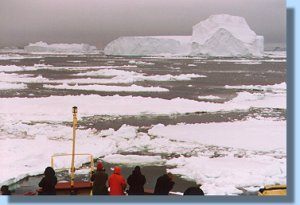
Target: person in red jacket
117 182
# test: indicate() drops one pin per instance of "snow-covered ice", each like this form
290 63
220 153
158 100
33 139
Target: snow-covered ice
46 140
140 62
255 136
257 170
275 54
133 160
208 97
13 56
107 88
22 78
57 107
122 76
14 68
280 87
117 75
12 86
224 175
239 61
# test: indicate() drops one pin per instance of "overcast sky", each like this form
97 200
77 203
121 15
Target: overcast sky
97 22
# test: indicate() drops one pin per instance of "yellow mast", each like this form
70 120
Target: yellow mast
74 109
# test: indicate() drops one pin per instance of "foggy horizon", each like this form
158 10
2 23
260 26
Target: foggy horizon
97 22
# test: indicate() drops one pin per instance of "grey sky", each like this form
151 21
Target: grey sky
97 22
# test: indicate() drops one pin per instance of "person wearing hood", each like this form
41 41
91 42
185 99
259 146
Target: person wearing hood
117 182
5 190
164 184
196 190
48 182
99 179
136 182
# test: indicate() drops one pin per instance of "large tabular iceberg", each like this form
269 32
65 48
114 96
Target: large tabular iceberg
148 45
220 35
42 47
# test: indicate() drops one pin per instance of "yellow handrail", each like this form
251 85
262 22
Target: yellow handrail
81 154
273 190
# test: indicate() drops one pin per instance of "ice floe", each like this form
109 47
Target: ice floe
254 135
14 68
227 175
140 62
12 86
47 140
107 88
22 78
57 107
12 56
280 87
275 54
117 76
133 160
207 97
122 76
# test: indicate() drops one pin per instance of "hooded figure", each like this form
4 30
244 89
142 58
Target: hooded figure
194 191
164 184
99 178
136 182
117 182
48 182
5 190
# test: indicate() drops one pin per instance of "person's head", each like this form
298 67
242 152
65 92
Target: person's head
99 166
5 190
170 175
49 172
137 170
117 170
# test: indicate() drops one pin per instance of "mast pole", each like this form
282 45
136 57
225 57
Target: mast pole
74 110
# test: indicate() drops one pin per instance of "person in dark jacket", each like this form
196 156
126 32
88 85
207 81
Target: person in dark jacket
5 190
48 182
136 182
99 178
164 184
196 190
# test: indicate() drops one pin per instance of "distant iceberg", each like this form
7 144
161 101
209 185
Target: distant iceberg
42 47
220 35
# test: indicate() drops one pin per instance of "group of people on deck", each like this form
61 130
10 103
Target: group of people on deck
115 184
136 181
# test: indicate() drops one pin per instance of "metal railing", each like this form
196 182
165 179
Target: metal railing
70 168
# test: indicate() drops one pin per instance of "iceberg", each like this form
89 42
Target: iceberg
42 47
220 35
148 45
226 36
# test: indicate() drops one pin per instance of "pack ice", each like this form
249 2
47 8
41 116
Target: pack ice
220 35
42 47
